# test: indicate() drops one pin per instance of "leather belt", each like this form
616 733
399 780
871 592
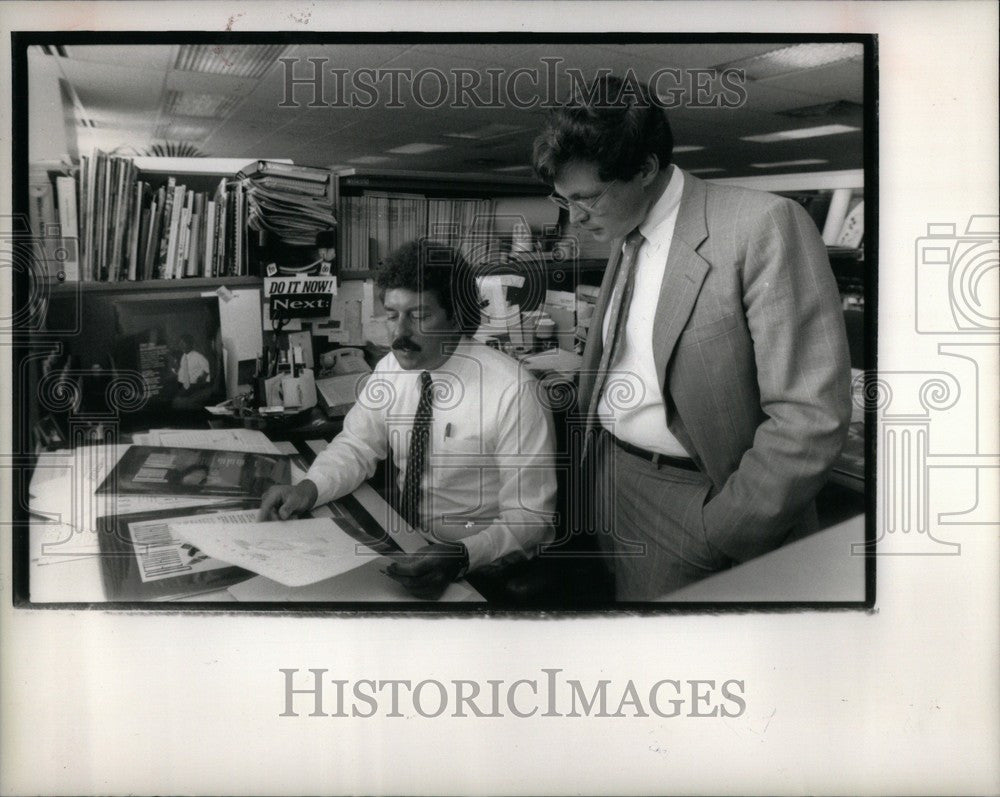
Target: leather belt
654 457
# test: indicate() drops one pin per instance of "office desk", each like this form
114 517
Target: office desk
821 568
309 424
68 568
818 569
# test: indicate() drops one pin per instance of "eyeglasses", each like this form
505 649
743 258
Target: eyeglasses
589 207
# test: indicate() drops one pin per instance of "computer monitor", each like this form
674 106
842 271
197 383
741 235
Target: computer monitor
175 344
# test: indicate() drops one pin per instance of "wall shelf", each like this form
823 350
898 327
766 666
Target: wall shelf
438 184
183 284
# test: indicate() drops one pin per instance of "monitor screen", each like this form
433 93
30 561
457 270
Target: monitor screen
176 346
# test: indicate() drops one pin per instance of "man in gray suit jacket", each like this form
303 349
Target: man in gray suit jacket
716 379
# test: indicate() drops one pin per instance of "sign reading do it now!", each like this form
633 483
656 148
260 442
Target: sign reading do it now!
300 296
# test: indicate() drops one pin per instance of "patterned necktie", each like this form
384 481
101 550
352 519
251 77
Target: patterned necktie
617 314
419 438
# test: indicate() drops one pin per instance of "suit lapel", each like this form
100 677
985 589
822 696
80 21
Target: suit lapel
682 281
684 275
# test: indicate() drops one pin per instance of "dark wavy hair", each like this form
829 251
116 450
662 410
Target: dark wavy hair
423 265
614 124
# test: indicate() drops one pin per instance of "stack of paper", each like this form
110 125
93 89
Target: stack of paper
292 202
64 508
337 394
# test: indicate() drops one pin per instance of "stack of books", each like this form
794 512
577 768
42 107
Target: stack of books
193 233
291 202
52 216
129 230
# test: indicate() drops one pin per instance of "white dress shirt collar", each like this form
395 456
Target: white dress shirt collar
655 226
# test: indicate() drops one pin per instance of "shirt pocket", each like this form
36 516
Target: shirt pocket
464 471
453 451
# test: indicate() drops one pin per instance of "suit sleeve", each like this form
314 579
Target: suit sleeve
527 482
795 320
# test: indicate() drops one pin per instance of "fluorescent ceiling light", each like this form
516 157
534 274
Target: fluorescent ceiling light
780 164
687 148
825 109
236 60
370 160
801 132
705 170
795 58
174 131
524 168
496 130
212 106
416 149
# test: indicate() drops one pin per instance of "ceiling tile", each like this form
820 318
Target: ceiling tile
139 56
488 53
702 55
113 86
842 81
199 83
122 87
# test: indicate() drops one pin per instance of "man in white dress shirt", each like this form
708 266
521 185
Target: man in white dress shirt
193 368
466 427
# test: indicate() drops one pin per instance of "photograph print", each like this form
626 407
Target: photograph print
447 323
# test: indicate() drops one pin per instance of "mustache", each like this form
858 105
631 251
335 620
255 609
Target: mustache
405 344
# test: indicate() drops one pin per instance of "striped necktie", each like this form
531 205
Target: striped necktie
617 314
416 459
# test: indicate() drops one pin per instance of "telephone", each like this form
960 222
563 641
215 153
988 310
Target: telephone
344 361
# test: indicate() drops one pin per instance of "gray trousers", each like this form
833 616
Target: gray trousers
649 523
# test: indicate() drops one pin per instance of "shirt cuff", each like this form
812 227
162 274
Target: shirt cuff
480 550
325 487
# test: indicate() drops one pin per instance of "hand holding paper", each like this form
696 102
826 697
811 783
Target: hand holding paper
293 553
282 501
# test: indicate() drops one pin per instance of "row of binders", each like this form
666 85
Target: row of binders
378 222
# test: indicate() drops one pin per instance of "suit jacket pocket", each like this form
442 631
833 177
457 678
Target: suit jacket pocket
699 333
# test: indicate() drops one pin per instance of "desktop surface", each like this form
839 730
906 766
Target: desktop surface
65 552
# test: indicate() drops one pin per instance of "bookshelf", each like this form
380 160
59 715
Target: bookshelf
147 219
193 284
